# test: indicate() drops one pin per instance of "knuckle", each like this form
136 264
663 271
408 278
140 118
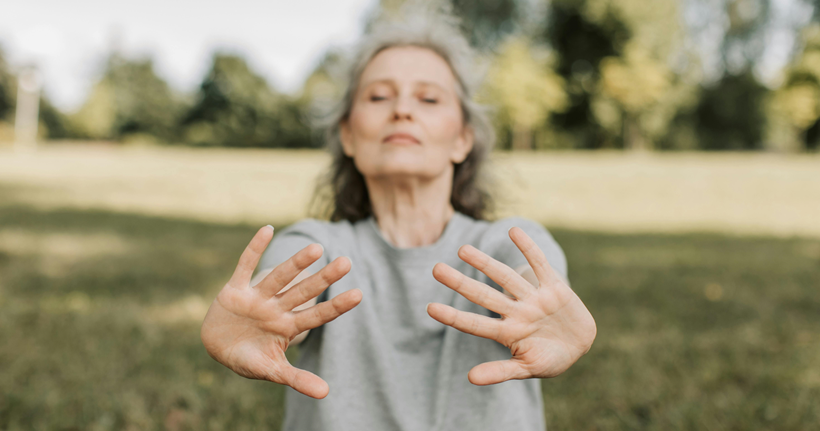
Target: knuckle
462 282
450 317
474 326
326 276
484 262
337 306
504 278
482 296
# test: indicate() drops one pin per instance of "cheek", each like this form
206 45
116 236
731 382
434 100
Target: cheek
444 129
366 122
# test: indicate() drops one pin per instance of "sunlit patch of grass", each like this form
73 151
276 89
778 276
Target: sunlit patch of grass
745 193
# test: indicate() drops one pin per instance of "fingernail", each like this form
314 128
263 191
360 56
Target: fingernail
271 227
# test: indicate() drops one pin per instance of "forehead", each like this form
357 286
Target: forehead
409 65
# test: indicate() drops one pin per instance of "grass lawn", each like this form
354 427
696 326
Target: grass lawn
100 313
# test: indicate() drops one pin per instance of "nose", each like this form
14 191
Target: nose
403 108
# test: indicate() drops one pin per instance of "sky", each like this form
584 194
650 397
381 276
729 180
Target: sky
68 39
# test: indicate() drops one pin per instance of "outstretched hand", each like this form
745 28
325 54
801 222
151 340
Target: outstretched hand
248 328
546 327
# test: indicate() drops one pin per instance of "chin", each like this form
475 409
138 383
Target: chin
398 169
401 164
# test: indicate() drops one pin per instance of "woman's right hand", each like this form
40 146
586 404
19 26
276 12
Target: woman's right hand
248 328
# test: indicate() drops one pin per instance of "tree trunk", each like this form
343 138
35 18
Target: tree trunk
522 138
634 140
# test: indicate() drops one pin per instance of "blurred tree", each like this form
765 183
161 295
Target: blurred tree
793 109
744 41
324 85
130 100
737 28
96 118
52 121
628 68
580 45
730 113
524 89
236 107
488 22
485 22
8 89
633 84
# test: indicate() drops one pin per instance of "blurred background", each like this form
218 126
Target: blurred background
670 146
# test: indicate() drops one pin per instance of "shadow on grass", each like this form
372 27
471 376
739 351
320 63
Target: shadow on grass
106 254
99 321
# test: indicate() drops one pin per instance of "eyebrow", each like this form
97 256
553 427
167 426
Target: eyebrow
390 81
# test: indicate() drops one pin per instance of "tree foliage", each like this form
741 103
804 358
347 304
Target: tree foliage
631 74
793 109
524 89
130 100
236 107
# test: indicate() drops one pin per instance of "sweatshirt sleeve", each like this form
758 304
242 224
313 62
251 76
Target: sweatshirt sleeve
290 240
497 243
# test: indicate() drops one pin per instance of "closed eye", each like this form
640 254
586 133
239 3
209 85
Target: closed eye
430 100
377 98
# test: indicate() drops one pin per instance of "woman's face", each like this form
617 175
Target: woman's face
406 118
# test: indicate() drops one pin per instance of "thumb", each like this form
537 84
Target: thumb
303 381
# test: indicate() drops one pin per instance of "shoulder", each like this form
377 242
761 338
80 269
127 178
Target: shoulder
498 230
292 238
321 231
495 241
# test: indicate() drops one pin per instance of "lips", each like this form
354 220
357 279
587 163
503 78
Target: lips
401 138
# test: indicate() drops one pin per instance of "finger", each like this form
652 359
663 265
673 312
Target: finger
490 373
289 269
470 323
303 381
502 274
326 311
477 292
250 257
312 286
535 256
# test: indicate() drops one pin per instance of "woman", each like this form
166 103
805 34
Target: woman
407 225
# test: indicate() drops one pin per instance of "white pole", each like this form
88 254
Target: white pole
26 119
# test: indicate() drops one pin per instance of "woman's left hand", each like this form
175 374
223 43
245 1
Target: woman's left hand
547 328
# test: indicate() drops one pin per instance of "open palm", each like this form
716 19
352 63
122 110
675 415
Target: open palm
546 327
248 328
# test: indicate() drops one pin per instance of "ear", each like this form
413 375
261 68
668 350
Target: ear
464 144
346 138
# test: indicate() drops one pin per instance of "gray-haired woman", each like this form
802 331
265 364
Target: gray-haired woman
408 220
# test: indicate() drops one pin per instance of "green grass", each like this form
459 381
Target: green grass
99 327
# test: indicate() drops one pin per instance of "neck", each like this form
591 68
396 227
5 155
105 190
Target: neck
411 212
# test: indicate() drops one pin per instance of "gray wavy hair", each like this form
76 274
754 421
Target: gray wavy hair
342 192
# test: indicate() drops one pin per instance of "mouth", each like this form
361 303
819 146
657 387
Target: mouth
401 138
